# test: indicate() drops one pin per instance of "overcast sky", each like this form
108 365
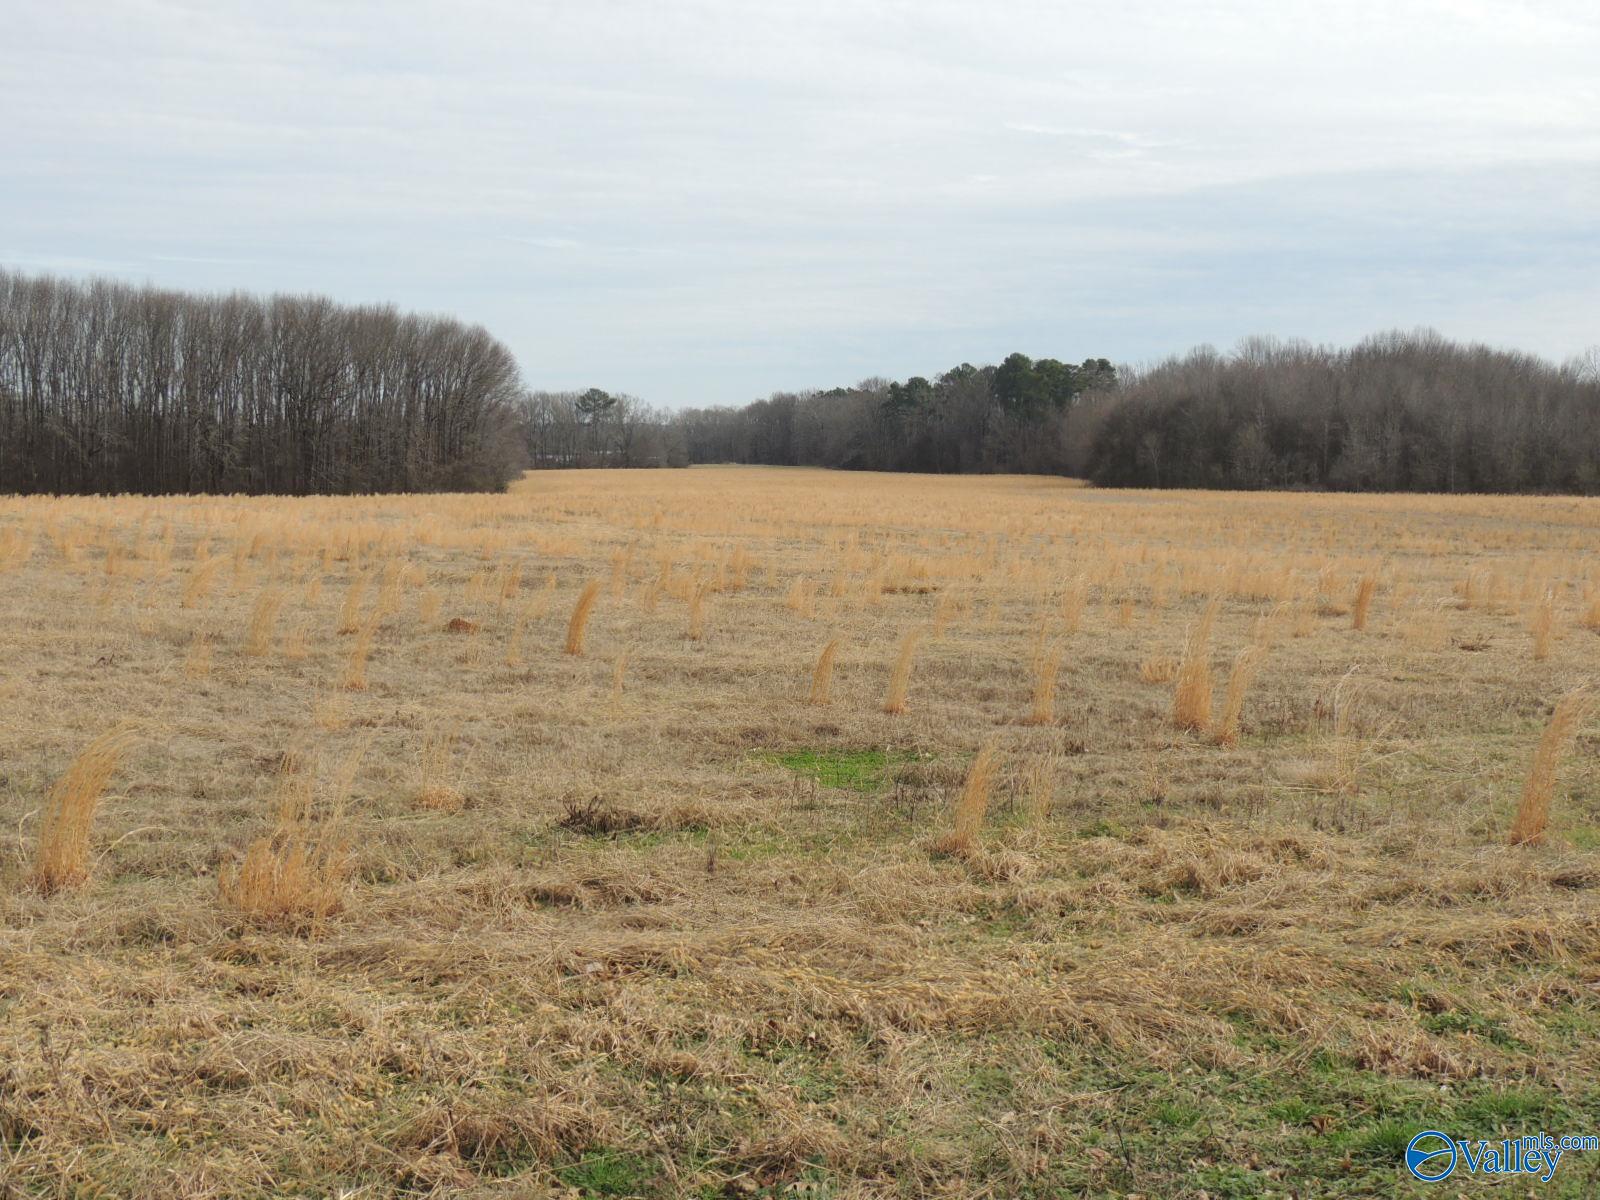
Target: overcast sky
706 200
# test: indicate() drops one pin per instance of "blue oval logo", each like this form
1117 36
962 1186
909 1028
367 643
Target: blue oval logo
1431 1156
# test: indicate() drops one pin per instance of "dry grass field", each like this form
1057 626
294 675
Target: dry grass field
1123 844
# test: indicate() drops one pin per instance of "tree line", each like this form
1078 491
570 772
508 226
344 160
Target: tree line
106 387
1009 417
1403 411
1398 412
595 428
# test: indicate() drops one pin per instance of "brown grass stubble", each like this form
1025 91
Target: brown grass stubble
724 912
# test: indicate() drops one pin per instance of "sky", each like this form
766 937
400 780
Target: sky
704 201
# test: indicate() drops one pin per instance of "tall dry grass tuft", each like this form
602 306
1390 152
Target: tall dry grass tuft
697 612
618 671
1245 666
1350 746
971 806
900 677
581 612
197 663
1542 624
350 610
429 604
1305 619
296 643
438 788
1073 601
1191 695
355 664
1533 810
298 874
1041 786
1591 614
391 582
511 582
258 635
1046 668
799 601
518 629
822 673
1362 606
201 580
1157 668
62 860
16 547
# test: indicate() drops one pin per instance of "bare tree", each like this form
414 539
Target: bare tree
110 388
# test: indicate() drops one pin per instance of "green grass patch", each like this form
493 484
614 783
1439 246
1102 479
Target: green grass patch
1585 837
1490 1029
608 1173
849 770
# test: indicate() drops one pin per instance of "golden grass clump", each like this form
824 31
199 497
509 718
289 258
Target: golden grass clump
1305 620
581 611
618 671
62 860
518 629
1046 668
16 547
258 635
429 604
355 664
1158 668
1191 696
970 807
1073 601
697 613
1533 810
1245 666
1591 613
438 789
1040 788
288 877
1542 624
894 701
299 873
350 610
799 600
197 663
201 580
1362 605
511 581
1349 747
296 643
822 674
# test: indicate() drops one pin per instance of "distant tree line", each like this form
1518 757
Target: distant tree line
1011 417
595 428
106 387
1398 412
